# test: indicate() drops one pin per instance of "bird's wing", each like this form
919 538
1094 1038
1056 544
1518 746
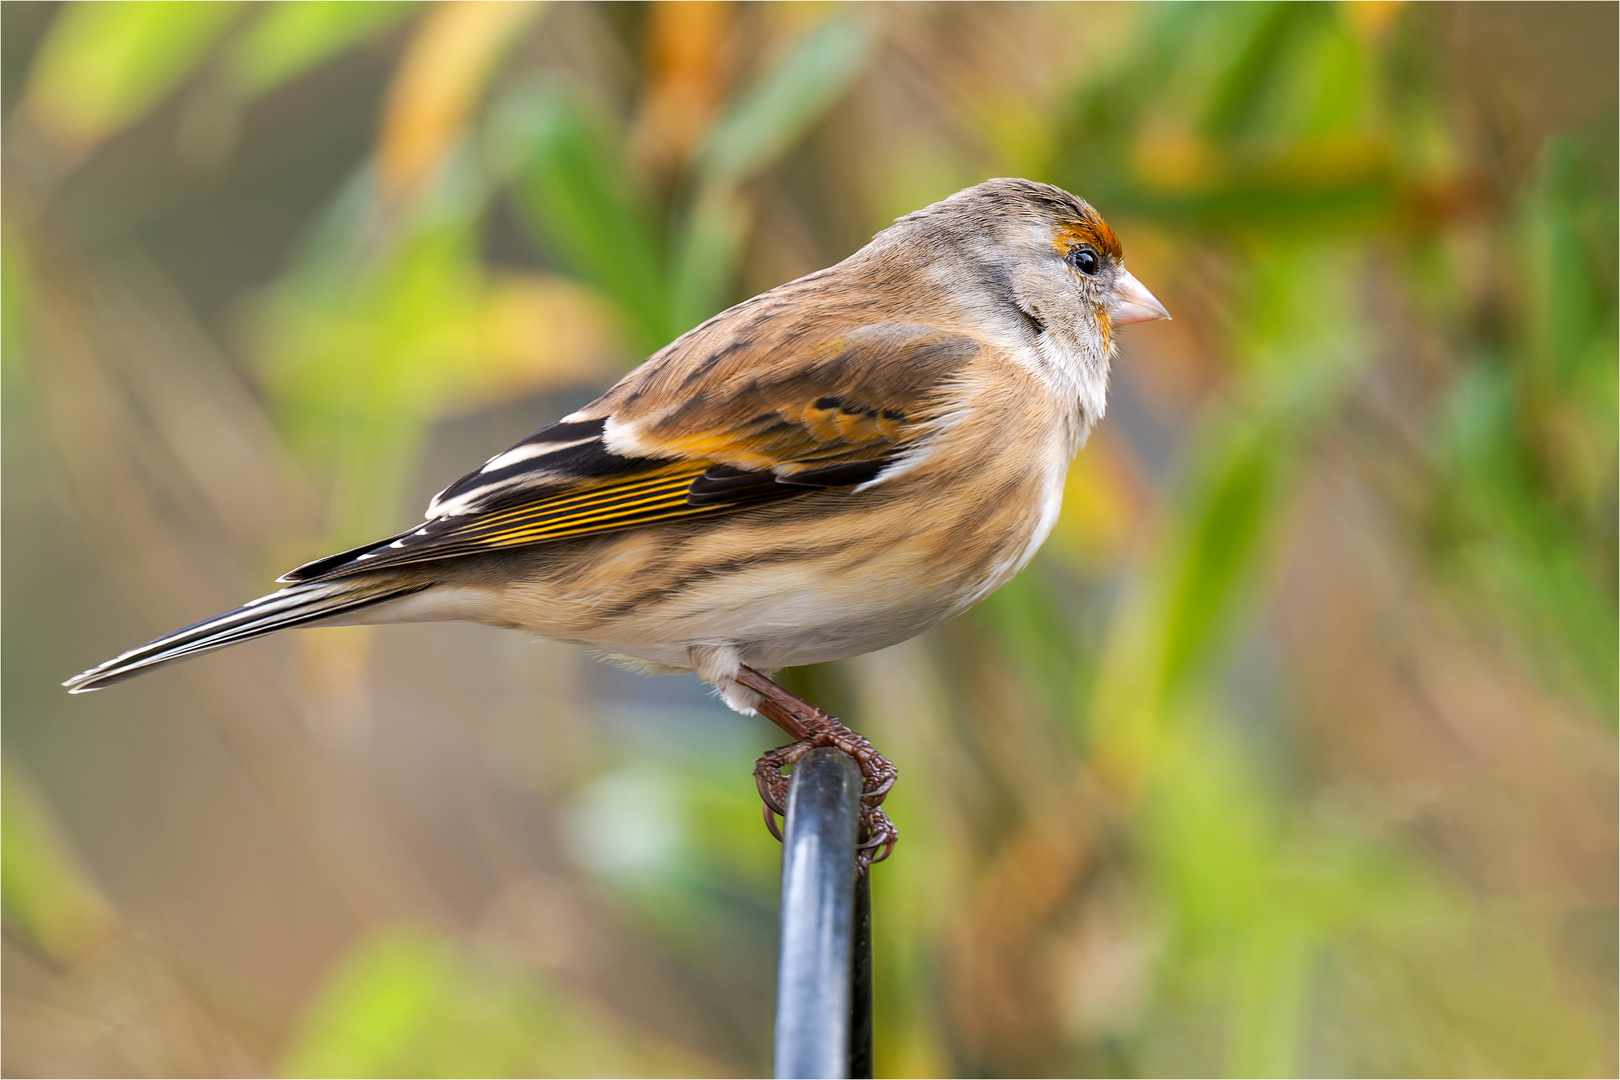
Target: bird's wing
691 434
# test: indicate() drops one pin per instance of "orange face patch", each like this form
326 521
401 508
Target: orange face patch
1091 230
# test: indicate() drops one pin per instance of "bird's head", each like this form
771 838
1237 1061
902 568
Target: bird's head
1040 249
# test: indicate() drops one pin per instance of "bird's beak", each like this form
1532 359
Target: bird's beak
1133 303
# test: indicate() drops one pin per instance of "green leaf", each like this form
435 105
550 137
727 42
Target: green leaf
105 64
1238 99
369 1015
288 39
575 188
1225 536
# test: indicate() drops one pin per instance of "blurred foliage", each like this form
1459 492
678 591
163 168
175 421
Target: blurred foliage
288 39
405 1003
47 898
105 64
1293 753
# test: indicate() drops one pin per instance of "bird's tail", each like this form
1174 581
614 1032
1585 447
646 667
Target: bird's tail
297 605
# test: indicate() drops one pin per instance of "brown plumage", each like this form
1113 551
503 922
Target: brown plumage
821 471
824 469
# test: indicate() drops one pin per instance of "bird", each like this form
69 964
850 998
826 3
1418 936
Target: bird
821 471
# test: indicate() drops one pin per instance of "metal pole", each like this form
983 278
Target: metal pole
860 992
815 977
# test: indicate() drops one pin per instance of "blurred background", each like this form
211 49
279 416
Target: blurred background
1293 753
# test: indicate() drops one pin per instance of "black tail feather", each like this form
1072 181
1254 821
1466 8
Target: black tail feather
299 605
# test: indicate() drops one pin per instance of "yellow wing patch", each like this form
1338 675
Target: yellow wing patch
655 493
644 498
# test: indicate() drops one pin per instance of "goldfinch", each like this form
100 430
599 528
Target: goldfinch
821 471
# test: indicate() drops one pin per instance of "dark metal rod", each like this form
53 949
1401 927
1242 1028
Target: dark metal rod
860 984
815 974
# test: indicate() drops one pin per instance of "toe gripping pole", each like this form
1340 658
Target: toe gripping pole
824 987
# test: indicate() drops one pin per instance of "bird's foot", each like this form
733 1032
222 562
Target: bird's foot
812 728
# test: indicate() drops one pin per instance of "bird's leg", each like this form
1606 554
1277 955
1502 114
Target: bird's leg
812 727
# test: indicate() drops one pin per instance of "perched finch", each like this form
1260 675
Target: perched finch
821 471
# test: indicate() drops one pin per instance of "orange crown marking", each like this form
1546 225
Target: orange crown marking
1092 230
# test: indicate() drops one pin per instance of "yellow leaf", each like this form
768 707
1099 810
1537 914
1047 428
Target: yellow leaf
537 333
449 59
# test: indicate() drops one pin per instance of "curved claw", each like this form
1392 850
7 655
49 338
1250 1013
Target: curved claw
888 849
886 835
772 803
770 823
880 838
876 794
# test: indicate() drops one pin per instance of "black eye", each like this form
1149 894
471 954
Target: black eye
1085 260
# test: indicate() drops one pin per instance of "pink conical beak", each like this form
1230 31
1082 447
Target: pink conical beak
1133 303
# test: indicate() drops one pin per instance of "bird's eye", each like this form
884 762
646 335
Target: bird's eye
1085 260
